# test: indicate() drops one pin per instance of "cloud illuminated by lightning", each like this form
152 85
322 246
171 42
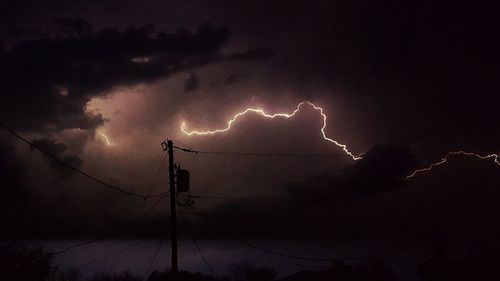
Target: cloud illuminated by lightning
272 116
105 137
261 112
495 158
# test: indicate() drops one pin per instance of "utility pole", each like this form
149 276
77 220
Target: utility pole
173 216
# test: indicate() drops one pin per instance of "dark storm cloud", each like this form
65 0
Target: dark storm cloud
47 81
381 169
59 150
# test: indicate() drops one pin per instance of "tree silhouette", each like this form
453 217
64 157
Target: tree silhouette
246 270
18 263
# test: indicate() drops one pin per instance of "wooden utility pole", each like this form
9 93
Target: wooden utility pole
173 214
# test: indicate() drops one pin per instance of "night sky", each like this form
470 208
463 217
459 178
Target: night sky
100 84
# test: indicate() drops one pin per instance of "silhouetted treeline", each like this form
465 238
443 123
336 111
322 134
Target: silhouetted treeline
18 263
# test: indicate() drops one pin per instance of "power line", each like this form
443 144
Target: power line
301 257
227 247
133 221
142 206
185 149
322 259
181 143
153 181
188 149
230 197
153 261
138 212
197 196
266 154
198 247
74 169
272 154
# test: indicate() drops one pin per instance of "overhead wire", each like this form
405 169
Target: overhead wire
268 154
131 222
146 274
210 268
198 196
153 181
74 169
190 150
212 241
140 210
318 259
260 153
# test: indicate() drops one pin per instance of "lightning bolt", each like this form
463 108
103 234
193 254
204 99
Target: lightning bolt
261 112
105 137
443 160
272 116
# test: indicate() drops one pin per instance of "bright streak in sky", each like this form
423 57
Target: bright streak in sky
261 112
272 116
495 158
104 137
